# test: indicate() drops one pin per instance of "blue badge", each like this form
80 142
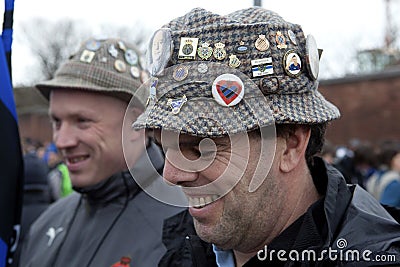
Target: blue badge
176 104
93 45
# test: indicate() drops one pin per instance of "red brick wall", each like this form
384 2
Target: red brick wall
370 109
36 126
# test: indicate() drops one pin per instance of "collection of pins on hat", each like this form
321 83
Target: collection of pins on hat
131 58
228 89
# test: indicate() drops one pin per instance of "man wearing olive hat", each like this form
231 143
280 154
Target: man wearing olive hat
241 133
109 216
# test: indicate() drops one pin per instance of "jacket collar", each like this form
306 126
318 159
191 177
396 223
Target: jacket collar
331 183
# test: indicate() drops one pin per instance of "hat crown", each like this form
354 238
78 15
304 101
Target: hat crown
111 66
271 74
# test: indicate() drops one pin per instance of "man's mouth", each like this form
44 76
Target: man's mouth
74 160
201 202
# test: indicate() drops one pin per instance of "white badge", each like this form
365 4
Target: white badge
228 89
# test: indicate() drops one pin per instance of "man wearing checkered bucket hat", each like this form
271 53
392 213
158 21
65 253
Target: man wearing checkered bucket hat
237 111
110 217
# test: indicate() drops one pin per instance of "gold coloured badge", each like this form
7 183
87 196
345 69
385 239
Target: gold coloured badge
219 51
119 65
121 46
205 51
135 72
280 40
262 43
234 62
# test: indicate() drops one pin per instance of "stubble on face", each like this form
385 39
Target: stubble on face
247 219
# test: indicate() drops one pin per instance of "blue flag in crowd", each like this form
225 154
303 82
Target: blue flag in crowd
11 165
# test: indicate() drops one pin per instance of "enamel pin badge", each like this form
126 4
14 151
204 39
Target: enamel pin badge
228 90
176 104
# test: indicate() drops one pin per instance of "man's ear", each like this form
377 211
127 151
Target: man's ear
294 148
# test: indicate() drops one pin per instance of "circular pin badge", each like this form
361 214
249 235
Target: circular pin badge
292 37
312 57
119 65
93 45
292 63
180 73
135 72
262 43
202 68
131 57
227 90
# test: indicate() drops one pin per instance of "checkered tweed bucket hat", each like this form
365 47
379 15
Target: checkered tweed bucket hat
109 66
219 75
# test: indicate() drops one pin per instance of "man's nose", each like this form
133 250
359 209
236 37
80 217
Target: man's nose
65 137
176 174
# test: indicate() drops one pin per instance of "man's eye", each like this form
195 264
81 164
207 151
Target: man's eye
82 120
55 123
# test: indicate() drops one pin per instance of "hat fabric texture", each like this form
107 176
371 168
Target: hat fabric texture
110 66
273 92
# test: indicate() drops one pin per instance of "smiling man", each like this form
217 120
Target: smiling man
241 133
110 216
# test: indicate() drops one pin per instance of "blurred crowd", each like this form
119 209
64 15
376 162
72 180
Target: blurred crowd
46 180
44 166
376 168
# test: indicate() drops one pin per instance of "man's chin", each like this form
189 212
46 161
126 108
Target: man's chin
211 234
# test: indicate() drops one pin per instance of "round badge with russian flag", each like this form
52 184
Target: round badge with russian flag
228 89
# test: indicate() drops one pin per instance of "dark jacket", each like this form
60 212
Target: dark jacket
102 224
36 196
346 219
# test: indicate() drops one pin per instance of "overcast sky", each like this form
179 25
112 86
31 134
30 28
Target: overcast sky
340 27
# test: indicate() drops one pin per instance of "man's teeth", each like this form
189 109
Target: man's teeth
76 159
200 202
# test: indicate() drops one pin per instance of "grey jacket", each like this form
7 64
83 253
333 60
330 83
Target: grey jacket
100 225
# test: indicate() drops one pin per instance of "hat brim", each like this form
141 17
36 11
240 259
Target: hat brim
205 117
202 115
80 84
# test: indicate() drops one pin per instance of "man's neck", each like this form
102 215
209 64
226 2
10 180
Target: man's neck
307 194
